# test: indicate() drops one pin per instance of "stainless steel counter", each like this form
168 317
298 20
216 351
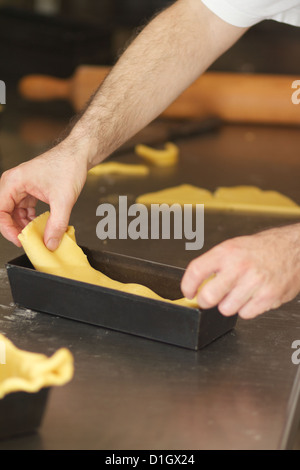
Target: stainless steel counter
241 391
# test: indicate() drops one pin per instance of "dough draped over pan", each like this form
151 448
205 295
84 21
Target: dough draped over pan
70 261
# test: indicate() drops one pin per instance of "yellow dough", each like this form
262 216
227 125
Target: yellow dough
238 198
166 157
70 261
119 169
29 372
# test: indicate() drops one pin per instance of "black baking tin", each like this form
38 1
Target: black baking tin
22 412
157 320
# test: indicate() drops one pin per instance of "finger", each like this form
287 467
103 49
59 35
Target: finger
259 303
20 217
28 205
216 289
198 271
9 229
57 223
31 213
10 199
241 293
254 307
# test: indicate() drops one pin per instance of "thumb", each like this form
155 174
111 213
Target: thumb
57 224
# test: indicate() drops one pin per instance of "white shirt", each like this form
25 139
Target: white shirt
245 13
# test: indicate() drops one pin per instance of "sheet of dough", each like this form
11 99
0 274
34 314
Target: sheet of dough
70 261
238 198
166 157
116 168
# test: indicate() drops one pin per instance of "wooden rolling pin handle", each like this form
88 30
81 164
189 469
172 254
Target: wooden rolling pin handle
44 88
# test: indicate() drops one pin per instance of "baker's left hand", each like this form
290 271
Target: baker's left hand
252 274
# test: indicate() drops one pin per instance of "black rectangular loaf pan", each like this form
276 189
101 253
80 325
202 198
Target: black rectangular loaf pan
22 413
157 320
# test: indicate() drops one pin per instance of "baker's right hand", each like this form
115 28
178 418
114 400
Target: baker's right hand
56 178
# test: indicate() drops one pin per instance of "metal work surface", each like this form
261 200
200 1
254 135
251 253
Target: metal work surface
241 391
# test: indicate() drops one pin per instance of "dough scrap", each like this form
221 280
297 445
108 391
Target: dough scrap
70 261
166 157
111 168
29 372
238 198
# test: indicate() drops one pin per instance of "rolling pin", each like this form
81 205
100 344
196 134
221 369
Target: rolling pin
231 97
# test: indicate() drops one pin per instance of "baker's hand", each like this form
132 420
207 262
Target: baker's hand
253 273
56 178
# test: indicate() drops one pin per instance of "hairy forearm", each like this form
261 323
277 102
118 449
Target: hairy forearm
164 59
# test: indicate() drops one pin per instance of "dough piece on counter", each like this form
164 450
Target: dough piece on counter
166 157
116 168
238 198
29 372
70 261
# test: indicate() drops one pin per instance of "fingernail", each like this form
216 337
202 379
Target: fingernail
52 244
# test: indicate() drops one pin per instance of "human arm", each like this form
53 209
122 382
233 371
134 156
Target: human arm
165 58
